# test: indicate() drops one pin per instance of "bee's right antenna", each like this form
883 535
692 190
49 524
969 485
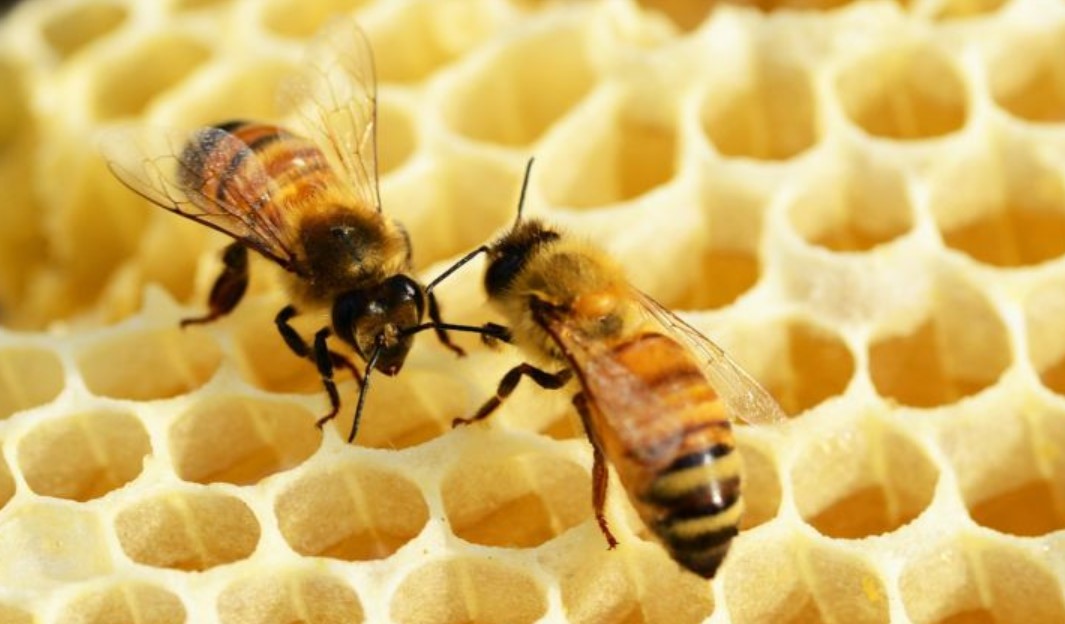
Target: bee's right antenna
524 187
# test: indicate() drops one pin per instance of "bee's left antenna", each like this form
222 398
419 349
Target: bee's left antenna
524 187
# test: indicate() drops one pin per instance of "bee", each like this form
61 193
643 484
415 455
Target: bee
654 395
311 205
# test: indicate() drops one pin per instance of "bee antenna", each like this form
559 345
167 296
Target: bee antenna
524 187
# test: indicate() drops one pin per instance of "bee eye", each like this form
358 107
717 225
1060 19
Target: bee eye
502 271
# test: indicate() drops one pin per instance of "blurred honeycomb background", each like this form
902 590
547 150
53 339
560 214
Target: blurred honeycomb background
863 202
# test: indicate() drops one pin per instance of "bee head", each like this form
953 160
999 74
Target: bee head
373 319
509 255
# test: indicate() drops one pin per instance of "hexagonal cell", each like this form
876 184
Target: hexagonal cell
84 456
791 579
285 596
29 376
626 148
188 530
14 615
862 479
635 582
261 354
396 136
963 9
468 590
77 26
819 366
766 110
290 18
521 90
1043 309
7 484
1027 74
149 364
1002 204
48 543
519 501
917 93
685 15
1010 462
854 204
241 440
124 603
242 90
419 38
127 85
973 579
350 511
196 5
957 350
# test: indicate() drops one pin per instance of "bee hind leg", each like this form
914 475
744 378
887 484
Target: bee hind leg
325 360
599 472
542 378
229 286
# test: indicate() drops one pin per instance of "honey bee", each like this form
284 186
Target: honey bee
654 395
310 205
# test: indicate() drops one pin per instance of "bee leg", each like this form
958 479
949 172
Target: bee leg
542 378
599 473
441 333
229 286
324 359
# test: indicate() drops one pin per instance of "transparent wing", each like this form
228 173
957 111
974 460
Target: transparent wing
183 171
743 395
335 95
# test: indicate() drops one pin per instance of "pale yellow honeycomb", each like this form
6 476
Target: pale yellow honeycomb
864 202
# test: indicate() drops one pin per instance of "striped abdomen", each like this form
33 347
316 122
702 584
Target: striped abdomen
691 498
265 164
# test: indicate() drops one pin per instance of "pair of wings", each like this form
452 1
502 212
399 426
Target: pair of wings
335 95
617 391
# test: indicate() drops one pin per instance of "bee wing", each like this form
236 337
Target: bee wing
743 395
157 163
335 95
622 398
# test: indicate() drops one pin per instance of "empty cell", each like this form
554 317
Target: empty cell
76 26
727 273
962 9
761 484
289 595
396 137
909 92
241 440
195 5
351 512
1003 206
814 365
862 479
769 114
7 484
246 90
125 86
29 377
1010 462
791 580
83 456
468 590
957 350
975 580
635 583
520 501
124 603
684 14
1045 328
290 18
626 148
14 106
45 544
853 205
149 364
262 356
1027 76
419 38
523 89
187 530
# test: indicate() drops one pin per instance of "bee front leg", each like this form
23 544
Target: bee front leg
324 359
441 333
542 378
229 286
600 478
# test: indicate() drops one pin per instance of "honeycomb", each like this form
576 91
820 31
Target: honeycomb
863 202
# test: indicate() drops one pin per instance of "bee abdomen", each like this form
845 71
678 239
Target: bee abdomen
695 507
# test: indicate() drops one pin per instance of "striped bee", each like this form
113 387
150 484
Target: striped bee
655 396
310 205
